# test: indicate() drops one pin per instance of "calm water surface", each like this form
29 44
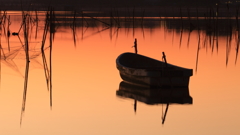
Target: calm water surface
85 81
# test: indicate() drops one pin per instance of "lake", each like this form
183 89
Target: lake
70 86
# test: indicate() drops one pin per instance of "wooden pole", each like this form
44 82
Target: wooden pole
164 57
135 46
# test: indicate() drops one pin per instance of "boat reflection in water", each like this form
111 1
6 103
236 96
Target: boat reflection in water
153 96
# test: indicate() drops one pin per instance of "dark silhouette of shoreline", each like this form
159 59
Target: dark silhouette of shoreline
123 8
93 4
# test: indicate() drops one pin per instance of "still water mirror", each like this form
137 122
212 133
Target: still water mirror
59 75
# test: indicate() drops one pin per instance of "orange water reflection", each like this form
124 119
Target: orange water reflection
85 80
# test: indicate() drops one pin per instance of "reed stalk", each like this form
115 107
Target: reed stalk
8 32
36 19
198 48
118 19
188 40
52 27
229 38
133 20
114 19
52 19
111 18
125 18
238 35
142 18
1 28
46 28
190 26
73 27
189 18
4 18
216 27
1 48
45 32
211 23
26 28
237 48
49 26
84 14
181 31
228 47
237 24
83 19
143 33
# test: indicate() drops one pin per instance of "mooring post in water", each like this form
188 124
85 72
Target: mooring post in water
135 45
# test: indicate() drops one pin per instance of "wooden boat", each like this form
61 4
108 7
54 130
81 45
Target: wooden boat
154 95
139 69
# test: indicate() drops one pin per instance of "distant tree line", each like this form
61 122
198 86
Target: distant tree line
125 3
71 4
190 3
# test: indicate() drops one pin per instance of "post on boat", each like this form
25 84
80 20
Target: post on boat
135 101
164 58
168 103
135 105
135 45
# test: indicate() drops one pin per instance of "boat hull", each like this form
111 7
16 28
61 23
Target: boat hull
156 81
